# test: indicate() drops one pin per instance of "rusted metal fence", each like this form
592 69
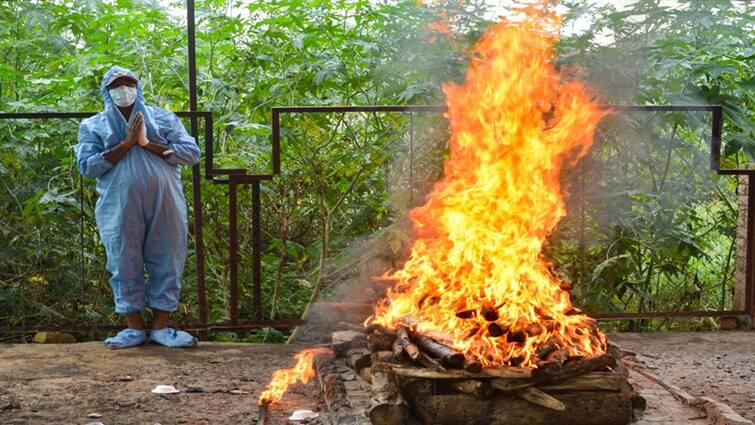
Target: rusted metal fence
237 178
716 127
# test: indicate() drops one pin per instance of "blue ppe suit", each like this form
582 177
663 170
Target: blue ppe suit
141 210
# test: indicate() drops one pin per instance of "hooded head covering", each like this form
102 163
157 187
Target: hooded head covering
115 119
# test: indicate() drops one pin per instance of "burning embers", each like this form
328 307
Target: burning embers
475 279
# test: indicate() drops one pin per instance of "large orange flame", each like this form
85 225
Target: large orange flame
475 277
303 371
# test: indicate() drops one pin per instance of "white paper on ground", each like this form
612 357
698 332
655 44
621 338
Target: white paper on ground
165 389
303 415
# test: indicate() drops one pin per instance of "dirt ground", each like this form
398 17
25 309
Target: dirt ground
720 365
64 384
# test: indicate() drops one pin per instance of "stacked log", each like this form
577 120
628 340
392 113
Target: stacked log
401 363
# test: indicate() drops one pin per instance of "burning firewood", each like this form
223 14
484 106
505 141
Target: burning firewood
430 362
263 413
382 329
402 343
283 378
449 356
516 337
546 349
507 372
466 314
489 313
303 371
556 371
471 365
557 357
387 406
496 330
379 342
534 329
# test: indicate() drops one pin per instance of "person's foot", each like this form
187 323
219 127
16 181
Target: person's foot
126 338
170 337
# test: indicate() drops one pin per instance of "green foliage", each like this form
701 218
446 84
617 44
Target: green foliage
657 228
649 227
250 56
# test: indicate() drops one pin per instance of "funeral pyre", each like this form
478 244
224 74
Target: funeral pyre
474 327
475 304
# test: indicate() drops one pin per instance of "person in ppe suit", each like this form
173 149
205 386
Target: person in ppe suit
134 151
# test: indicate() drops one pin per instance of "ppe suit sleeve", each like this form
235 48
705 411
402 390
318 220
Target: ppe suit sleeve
89 150
185 149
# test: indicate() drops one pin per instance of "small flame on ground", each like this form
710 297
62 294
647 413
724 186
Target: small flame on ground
476 277
303 371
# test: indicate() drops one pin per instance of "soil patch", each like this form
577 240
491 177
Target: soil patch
719 365
43 384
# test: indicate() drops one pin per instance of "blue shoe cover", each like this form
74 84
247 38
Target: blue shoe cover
170 337
126 338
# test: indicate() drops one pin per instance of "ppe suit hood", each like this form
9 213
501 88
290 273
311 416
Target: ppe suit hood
114 117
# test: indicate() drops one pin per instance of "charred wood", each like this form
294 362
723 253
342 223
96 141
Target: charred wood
507 372
534 329
489 313
496 330
262 415
516 337
556 372
379 342
402 343
466 314
472 332
544 350
431 363
473 366
382 329
447 355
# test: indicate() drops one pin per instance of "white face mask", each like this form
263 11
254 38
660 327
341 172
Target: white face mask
123 96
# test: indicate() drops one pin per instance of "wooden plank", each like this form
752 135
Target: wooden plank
555 372
535 396
503 384
591 381
420 372
507 372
